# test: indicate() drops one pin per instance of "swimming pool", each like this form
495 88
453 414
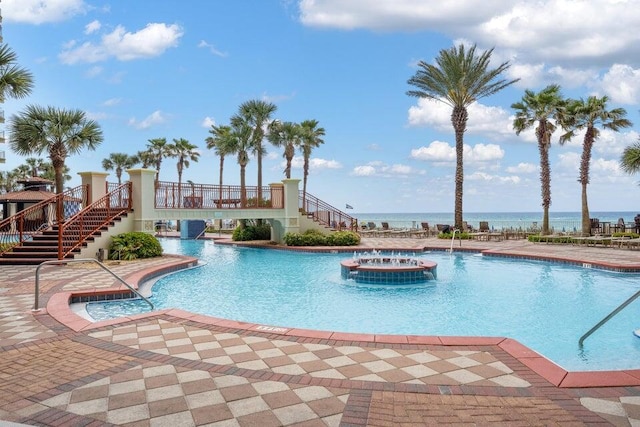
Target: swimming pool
545 306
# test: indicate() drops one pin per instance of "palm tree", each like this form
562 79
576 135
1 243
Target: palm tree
147 158
241 145
59 132
287 135
311 138
542 108
119 162
185 152
158 149
258 116
459 78
36 165
15 82
222 142
47 172
630 159
588 115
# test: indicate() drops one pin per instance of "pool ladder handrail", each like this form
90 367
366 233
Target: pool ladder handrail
608 317
66 261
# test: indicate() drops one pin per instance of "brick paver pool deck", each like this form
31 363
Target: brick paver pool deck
176 368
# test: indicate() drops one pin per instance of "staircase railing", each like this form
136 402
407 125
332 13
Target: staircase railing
326 214
40 216
86 223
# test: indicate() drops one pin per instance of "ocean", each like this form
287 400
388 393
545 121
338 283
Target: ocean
558 221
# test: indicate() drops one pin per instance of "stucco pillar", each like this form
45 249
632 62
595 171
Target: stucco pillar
143 198
291 203
97 182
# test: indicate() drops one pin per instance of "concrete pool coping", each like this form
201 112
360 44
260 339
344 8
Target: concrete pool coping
58 307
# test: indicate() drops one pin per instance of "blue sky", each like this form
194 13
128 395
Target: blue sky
169 68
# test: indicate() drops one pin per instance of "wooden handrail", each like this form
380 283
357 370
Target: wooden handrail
40 216
86 223
326 214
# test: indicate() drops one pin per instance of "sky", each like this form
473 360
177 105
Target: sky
169 68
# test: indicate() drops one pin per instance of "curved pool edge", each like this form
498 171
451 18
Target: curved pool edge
59 308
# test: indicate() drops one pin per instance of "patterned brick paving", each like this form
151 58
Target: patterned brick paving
165 369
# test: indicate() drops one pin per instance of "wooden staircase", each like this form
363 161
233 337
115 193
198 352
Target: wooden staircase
44 246
65 239
325 214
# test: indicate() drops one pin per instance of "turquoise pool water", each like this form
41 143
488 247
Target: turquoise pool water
545 306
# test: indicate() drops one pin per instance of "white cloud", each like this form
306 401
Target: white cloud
439 151
41 11
207 122
523 168
564 31
365 170
149 42
92 27
112 102
93 72
318 164
382 169
483 176
495 122
212 49
622 84
315 163
155 118
391 14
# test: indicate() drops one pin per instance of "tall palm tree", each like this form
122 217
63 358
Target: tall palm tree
257 114
630 159
459 78
311 136
588 115
15 81
119 162
222 142
159 149
543 108
59 132
47 172
287 135
147 158
185 152
241 145
36 165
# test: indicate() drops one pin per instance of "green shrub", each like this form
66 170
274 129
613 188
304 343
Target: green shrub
463 236
134 245
251 232
343 238
317 238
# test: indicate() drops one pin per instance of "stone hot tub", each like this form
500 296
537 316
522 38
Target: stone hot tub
391 269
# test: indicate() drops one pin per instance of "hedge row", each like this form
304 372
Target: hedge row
317 238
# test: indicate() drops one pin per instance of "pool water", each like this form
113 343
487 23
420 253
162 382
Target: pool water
545 306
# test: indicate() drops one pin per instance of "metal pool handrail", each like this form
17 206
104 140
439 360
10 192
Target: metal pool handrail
66 261
606 319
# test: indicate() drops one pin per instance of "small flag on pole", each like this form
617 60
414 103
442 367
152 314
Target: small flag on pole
349 206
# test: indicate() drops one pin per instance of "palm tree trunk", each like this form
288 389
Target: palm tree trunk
304 182
586 221
220 190
459 120
259 161
243 188
584 177
545 180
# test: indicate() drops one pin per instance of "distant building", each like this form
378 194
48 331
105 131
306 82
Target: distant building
34 190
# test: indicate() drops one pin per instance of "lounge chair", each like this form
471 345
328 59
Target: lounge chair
620 227
421 232
385 231
371 230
